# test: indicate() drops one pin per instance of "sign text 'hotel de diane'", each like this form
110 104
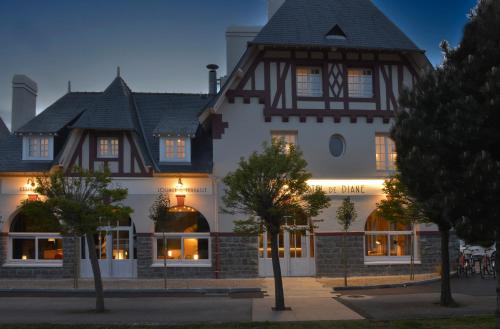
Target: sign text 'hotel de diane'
348 187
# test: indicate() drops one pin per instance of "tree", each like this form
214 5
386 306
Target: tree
160 214
346 214
425 147
81 202
268 187
475 64
400 208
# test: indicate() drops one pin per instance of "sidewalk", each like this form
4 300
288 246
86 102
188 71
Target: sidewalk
308 299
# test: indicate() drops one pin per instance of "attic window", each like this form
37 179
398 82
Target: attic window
336 34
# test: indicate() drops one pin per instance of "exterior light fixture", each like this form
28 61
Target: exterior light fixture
30 182
180 193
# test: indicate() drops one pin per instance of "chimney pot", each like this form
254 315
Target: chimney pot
212 79
24 92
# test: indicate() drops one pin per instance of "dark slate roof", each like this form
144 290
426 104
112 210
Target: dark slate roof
307 22
182 120
113 110
118 108
4 131
11 157
59 114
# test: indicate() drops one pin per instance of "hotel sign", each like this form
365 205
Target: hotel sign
348 187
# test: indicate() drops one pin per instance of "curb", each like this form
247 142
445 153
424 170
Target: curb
386 286
126 293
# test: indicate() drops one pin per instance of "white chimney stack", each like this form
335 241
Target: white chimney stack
24 92
273 6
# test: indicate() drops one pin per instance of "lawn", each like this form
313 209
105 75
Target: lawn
454 323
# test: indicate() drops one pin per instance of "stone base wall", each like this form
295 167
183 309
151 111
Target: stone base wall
329 261
234 257
64 271
238 256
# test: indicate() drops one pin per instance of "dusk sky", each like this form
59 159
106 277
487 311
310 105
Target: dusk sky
160 45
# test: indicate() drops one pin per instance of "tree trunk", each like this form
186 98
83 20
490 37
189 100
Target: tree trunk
278 282
76 260
446 298
344 259
497 270
99 293
165 254
412 253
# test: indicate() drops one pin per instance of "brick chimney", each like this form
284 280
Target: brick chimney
24 92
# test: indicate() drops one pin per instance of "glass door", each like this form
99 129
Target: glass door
295 249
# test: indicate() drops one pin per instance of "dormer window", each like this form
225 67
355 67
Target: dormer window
336 33
108 147
176 149
38 148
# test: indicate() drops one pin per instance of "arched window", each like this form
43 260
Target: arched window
32 240
384 239
184 237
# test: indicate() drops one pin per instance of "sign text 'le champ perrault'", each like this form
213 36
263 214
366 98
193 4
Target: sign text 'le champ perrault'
348 187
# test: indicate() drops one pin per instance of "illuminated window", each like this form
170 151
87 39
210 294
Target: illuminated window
38 148
288 138
360 83
309 82
386 239
183 237
385 152
175 149
33 242
108 147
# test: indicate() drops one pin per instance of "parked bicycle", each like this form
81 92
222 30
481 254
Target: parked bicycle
488 264
465 264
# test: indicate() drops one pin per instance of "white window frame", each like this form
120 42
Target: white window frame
182 262
288 137
385 161
26 148
309 83
11 262
109 142
359 84
381 260
175 158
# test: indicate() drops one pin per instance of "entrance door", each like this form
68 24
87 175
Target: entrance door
115 250
296 252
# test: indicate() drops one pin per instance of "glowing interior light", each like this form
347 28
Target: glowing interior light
24 257
377 242
169 253
195 257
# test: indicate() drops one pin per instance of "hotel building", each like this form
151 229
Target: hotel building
324 75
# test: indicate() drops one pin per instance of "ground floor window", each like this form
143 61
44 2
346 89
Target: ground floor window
33 241
183 239
387 241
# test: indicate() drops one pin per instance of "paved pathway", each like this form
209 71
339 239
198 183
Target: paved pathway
309 301
307 297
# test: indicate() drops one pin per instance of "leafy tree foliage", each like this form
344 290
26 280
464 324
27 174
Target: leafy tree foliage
425 147
80 203
475 66
269 187
400 208
346 215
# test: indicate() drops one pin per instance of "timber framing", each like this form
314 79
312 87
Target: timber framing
276 68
